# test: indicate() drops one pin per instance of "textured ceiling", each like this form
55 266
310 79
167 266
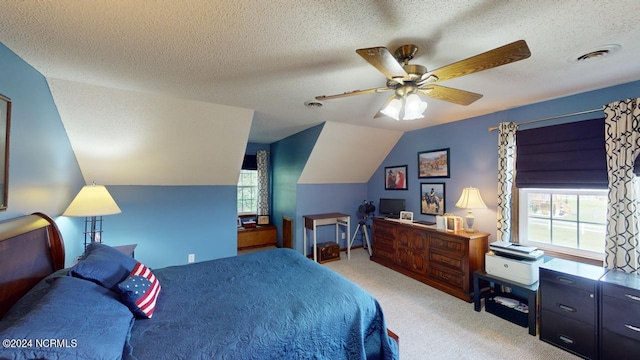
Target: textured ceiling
272 56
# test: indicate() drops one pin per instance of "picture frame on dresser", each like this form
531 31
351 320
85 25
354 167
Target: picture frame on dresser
406 216
395 178
434 164
432 198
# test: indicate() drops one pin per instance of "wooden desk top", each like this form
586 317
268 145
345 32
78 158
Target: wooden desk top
325 216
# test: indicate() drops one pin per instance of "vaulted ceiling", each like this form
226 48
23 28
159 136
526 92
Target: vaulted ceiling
158 77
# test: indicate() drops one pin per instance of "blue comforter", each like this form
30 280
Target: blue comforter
267 305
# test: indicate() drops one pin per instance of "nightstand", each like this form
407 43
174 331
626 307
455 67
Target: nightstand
127 249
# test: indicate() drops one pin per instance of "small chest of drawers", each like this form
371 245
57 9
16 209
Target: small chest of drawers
568 306
619 315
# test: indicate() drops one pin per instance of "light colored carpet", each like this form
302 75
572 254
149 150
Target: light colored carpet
434 325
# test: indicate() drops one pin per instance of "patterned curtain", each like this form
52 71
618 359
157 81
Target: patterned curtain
622 143
262 158
506 178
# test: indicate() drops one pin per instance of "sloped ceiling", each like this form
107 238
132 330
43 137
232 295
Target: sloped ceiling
272 56
129 138
347 154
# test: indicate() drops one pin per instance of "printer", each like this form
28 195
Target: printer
514 262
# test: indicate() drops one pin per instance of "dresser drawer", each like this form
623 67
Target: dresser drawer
621 316
623 293
572 302
615 346
446 276
447 244
567 280
384 230
569 334
446 260
383 241
383 252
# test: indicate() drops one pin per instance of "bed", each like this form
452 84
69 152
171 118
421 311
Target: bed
273 304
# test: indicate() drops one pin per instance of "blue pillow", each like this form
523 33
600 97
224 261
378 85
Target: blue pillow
103 265
75 319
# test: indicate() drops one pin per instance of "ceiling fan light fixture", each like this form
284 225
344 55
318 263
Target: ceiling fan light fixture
392 109
414 107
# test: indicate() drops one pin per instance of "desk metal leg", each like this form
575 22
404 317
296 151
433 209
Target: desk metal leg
315 250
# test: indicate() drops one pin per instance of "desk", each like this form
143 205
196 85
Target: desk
530 290
313 221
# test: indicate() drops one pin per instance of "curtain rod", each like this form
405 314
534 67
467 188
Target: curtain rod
552 118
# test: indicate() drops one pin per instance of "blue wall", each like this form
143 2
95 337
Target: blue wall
170 222
288 158
44 175
474 154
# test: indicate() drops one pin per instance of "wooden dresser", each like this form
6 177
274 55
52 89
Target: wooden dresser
441 259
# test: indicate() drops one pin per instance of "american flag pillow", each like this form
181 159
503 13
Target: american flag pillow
140 291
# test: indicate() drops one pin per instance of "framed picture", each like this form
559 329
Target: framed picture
395 178
239 222
5 122
432 198
433 164
263 219
406 216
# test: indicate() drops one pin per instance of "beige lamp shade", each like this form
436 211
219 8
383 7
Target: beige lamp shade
92 200
470 199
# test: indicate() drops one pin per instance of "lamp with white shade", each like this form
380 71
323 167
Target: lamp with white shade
92 202
470 199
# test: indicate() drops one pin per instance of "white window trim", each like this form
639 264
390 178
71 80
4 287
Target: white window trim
253 212
523 223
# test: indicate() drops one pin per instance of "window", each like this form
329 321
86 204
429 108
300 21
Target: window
564 220
248 192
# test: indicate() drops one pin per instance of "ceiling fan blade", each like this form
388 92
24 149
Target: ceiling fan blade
353 93
493 58
384 61
452 95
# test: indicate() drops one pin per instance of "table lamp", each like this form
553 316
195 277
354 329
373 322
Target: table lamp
92 202
470 199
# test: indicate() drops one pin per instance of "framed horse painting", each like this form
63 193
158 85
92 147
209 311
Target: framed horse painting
432 198
433 164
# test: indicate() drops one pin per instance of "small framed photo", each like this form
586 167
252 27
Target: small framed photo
239 222
432 198
263 220
406 216
395 178
433 164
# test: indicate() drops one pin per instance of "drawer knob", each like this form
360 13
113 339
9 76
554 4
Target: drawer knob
566 308
565 280
566 340
631 327
632 297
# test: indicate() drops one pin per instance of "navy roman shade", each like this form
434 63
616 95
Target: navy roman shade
566 156
250 162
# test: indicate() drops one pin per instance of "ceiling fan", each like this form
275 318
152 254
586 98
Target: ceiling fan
410 80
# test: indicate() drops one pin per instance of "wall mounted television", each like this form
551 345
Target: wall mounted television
391 207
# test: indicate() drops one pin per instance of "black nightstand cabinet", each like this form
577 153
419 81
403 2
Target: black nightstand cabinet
620 315
568 306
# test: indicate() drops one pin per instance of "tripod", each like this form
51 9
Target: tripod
362 226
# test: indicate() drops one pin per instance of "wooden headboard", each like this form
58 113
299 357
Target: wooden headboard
31 248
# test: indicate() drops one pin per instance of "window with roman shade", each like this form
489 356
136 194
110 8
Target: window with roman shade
566 156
